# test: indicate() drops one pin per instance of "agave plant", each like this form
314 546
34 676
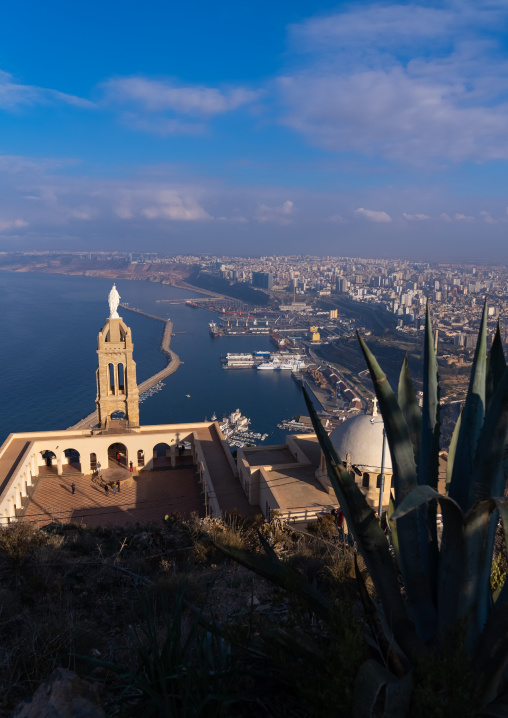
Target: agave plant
447 582
446 603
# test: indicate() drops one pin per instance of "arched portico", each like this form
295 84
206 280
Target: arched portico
118 455
48 462
72 458
162 454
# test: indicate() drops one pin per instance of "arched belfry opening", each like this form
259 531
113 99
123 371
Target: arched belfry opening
117 390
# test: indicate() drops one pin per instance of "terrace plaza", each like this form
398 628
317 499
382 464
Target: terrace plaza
119 472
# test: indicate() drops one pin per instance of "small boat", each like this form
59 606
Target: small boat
188 396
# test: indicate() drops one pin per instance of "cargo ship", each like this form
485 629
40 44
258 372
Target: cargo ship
189 303
214 330
278 341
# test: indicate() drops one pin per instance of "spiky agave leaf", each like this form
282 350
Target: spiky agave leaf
370 538
371 680
429 448
415 550
461 485
491 658
489 478
373 619
496 364
461 558
393 529
410 408
428 467
451 453
401 450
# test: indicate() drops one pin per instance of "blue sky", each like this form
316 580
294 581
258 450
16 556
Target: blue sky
371 129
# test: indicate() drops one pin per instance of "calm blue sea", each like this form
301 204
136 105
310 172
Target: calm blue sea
48 329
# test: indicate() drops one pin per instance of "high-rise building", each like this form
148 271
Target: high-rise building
262 280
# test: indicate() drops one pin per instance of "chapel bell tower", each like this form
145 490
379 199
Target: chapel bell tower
117 390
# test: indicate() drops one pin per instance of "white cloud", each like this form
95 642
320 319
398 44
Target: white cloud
402 81
14 95
446 217
280 214
373 215
154 96
158 203
487 217
386 25
338 218
6 224
169 204
464 218
163 126
418 217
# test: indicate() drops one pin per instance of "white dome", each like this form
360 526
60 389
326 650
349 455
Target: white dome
362 438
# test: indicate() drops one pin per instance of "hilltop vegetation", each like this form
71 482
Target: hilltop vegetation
89 600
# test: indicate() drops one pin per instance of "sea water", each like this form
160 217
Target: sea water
48 328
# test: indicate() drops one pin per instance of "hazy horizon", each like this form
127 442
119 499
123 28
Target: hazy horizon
373 130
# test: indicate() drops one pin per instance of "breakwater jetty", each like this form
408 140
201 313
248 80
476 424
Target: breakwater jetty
173 362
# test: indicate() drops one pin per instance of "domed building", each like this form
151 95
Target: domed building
359 443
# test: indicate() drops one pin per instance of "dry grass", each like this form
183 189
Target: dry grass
68 591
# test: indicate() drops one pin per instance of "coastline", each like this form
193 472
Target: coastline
111 274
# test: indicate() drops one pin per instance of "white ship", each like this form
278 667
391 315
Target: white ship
239 361
293 365
289 362
270 365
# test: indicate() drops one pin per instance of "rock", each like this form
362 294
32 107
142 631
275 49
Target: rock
63 695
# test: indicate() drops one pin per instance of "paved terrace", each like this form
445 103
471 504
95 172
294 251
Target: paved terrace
299 490
147 497
156 491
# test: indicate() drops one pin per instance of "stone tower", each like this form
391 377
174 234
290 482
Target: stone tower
117 390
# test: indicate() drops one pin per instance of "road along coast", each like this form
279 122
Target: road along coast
173 362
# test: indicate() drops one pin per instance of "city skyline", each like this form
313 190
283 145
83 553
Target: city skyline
371 129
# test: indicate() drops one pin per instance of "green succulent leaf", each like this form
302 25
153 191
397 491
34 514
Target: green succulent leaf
489 476
419 495
393 530
410 408
429 452
372 678
428 467
489 479
451 453
403 461
491 657
496 364
417 554
461 486
462 585
370 538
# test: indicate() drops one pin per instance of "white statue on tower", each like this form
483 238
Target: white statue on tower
114 301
